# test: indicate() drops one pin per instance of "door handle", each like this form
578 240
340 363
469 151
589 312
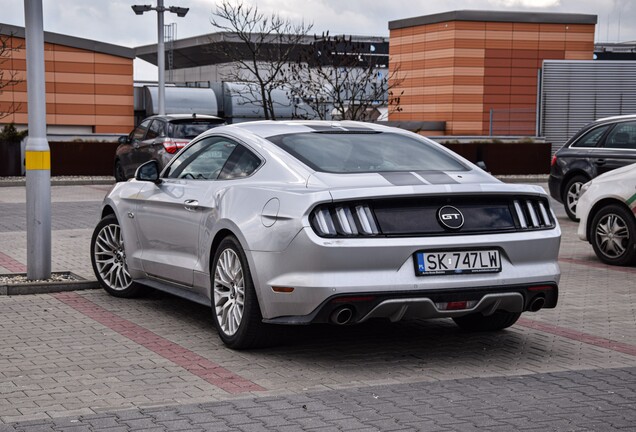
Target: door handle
599 161
191 205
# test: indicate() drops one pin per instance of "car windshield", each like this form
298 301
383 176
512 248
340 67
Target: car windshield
356 152
190 129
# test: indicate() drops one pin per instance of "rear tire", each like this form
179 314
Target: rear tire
235 308
478 322
108 257
571 195
613 235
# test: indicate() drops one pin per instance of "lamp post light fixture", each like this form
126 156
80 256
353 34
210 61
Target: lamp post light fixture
140 9
161 55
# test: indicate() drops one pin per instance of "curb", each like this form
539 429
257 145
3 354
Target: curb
528 178
65 182
47 287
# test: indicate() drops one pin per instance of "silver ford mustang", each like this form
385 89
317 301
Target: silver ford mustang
322 222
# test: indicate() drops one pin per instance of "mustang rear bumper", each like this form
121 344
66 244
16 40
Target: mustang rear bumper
424 305
322 270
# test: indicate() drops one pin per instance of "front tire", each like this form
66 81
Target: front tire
108 257
571 195
235 308
478 322
120 175
613 235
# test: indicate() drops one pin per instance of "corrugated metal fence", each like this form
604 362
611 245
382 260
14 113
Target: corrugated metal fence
574 93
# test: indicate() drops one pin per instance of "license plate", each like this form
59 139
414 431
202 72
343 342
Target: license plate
457 262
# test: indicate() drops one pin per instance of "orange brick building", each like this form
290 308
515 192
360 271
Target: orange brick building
89 84
457 66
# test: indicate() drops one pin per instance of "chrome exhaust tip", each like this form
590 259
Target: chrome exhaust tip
537 304
342 316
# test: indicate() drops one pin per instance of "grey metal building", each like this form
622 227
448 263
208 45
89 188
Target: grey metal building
577 92
199 60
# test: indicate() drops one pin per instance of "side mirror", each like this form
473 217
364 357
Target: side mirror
148 171
123 139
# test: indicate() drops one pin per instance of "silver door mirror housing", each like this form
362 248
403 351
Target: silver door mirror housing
148 171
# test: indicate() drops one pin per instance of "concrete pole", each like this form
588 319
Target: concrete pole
37 153
161 58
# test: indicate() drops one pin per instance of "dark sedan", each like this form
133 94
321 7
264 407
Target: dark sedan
597 148
158 138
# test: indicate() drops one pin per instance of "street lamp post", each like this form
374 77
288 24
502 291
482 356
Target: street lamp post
37 157
161 55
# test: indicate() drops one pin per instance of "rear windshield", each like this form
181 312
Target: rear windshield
356 152
191 128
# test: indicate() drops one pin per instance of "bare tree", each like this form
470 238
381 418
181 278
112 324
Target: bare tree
267 45
341 76
8 77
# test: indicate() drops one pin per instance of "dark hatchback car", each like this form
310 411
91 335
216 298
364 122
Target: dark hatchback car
597 148
158 138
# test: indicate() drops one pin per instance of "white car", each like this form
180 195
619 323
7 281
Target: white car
606 210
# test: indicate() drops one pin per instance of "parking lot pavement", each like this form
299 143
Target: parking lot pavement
74 213
600 400
87 361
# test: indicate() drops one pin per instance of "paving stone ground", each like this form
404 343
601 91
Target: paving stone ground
600 400
87 361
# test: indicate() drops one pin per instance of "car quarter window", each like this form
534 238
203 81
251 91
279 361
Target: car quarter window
592 137
623 136
156 129
241 164
202 160
140 131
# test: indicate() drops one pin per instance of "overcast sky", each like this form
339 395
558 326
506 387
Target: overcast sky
113 21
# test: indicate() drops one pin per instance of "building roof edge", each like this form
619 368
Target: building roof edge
72 41
495 16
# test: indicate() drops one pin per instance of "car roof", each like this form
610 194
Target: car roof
186 116
269 128
615 118
600 122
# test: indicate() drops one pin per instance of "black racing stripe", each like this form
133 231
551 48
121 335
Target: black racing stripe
318 128
436 177
339 129
401 178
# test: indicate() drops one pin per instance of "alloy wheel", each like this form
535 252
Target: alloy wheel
229 292
612 235
572 196
110 258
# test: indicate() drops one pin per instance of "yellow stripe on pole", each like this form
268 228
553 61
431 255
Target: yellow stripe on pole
38 160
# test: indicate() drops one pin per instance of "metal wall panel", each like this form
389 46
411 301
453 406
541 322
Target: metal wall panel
576 92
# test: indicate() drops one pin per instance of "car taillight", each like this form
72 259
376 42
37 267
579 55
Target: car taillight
533 213
347 220
553 161
171 146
